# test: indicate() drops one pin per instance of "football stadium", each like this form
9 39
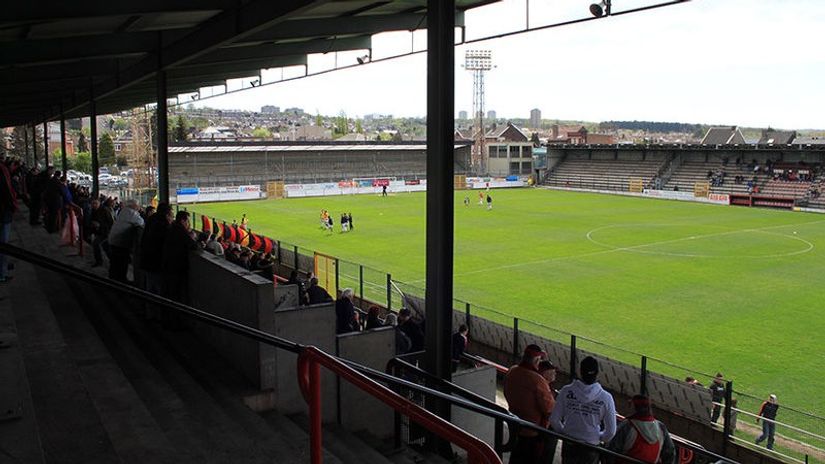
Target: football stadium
194 269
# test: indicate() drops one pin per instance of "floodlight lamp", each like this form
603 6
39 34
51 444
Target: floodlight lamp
363 59
600 9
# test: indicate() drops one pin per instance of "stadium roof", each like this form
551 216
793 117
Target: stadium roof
54 54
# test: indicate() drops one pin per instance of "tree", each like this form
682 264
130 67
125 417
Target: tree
358 127
261 133
106 150
82 143
82 162
121 161
319 121
535 139
120 124
397 137
181 129
341 124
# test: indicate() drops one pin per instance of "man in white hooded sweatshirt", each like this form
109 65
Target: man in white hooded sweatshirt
586 412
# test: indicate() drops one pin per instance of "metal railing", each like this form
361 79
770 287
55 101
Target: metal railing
372 286
311 358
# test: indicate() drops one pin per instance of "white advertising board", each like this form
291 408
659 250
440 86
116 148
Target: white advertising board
206 194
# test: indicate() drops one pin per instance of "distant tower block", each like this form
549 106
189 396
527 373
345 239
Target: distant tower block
478 61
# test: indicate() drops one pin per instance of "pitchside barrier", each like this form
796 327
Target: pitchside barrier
502 337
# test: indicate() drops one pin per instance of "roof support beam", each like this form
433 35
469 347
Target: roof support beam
328 27
56 10
50 51
220 30
235 54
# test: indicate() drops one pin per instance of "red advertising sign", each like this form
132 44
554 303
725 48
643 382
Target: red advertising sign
412 182
380 182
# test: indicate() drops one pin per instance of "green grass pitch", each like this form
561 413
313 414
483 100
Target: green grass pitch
713 288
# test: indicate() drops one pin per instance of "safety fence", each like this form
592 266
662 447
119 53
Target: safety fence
799 436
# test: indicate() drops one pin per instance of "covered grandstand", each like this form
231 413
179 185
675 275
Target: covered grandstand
211 164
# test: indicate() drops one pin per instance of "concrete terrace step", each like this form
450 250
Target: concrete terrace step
128 398
345 445
68 422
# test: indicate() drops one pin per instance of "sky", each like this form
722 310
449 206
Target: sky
752 63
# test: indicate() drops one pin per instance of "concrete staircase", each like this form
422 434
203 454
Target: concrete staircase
86 377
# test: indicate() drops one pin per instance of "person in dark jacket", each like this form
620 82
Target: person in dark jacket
151 246
346 319
411 329
8 205
459 344
316 294
53 200
768 415
175 258
717 395
373 321
34 181
102 218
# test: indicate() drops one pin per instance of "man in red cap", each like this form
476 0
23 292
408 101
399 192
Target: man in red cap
529 397
643 437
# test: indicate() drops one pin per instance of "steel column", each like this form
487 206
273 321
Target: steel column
34 144
25 144
93 145
46 144
440 156
163 139
64 163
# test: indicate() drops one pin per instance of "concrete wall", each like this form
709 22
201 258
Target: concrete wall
372 348
482 381
309 325
223 289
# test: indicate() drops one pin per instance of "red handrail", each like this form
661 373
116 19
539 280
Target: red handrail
309 379
502 370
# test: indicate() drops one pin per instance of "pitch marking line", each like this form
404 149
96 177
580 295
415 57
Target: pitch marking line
631 248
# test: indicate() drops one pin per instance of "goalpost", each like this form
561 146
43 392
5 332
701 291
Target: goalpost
637 185
326 272
701 189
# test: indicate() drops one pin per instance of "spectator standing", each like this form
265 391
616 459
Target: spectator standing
717 395
122 239
411 329
402 341
459 345
529 397
581 407
175 258
151 247
767 413
8 205
316 294
548 372
100 225
36 181
643 437
53 200
346 319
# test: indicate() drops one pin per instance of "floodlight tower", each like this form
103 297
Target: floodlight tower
478 61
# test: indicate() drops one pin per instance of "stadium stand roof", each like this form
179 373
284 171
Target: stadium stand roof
56 55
